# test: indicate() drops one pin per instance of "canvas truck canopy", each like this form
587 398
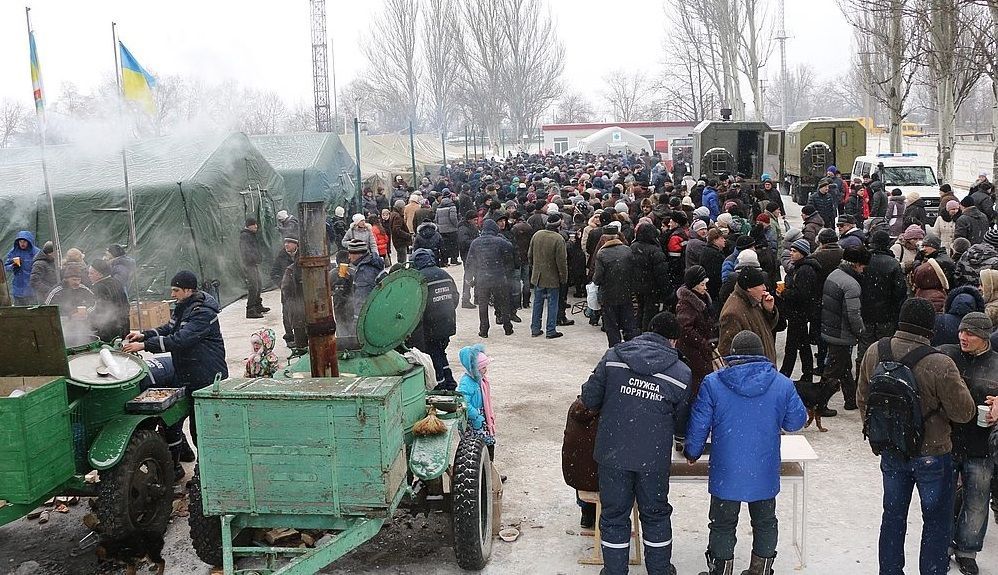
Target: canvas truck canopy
191 195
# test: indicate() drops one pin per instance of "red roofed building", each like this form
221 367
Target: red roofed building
561 137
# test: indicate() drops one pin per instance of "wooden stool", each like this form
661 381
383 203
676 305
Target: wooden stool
597 557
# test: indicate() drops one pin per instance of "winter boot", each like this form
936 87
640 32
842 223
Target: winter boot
760 566
717 566
186 453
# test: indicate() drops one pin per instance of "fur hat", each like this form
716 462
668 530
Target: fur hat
747 258
856 255
693 276
827 236
932 241
340 212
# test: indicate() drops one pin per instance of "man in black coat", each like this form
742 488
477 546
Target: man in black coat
883 291
439 322
194 341
614 274
972 223
642 391
801 304
978 364
249 257
109 319
292 312
490 263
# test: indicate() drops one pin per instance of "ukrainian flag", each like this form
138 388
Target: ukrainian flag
136 83
36 76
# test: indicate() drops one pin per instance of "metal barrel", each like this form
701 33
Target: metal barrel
314 262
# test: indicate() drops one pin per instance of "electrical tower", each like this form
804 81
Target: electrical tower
320 66
782 38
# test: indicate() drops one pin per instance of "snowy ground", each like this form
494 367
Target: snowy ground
534 382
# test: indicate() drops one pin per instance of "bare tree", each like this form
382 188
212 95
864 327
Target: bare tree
261 112
983 31
803 89
573 108
755 46
890 44
954 65
393 67
481 51
691 93
531 78
624 91
301 118
13 120
440 33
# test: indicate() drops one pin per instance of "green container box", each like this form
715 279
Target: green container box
36 443
330 446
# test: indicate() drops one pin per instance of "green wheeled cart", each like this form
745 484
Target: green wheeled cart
60 420
338 454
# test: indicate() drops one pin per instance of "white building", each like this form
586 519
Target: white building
561 137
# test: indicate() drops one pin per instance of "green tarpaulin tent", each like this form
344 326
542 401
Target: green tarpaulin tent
190 193
315 166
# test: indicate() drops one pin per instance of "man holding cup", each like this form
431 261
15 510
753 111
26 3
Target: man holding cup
978 365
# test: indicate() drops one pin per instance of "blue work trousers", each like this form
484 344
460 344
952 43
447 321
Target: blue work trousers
618 489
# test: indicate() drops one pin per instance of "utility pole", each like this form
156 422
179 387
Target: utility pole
781 37
320 68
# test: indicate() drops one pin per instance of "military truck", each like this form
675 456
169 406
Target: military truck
722 148
812 146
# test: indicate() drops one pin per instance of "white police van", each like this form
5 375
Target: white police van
907 171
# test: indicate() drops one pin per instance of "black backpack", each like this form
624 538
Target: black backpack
894 409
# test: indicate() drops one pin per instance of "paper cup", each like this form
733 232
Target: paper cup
982 415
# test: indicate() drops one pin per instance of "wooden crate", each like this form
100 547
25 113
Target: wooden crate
329 446
154 314
36 445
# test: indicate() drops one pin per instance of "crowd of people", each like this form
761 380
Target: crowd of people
691 280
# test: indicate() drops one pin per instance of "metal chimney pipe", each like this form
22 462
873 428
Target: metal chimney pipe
314 261
5 299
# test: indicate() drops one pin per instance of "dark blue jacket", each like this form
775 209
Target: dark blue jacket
193 339
20 276
744 407
827 205
959 302
642 391
490 257
366 273
439 318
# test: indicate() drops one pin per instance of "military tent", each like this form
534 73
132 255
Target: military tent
315 166
190 193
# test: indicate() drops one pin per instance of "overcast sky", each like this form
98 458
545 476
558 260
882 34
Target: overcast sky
267 43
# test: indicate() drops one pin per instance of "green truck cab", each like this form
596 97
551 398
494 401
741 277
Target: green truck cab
812 146
61 419
338 453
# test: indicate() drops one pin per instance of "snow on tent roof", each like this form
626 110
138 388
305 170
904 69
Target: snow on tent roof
190 193
613 138
315 166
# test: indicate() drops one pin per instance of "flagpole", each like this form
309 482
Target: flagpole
132 240
40 113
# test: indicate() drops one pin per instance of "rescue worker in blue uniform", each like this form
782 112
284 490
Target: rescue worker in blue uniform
642 390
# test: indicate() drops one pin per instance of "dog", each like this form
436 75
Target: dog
814 395
132 548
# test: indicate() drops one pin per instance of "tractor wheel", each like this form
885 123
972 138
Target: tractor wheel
472 504
206 532
137 493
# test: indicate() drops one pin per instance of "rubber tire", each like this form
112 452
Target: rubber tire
472 488
113 489
206 532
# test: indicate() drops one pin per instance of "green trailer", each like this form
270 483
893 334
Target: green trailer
722 148
62 418
338 453
812 146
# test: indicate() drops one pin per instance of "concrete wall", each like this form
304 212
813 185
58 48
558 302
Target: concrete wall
969 158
